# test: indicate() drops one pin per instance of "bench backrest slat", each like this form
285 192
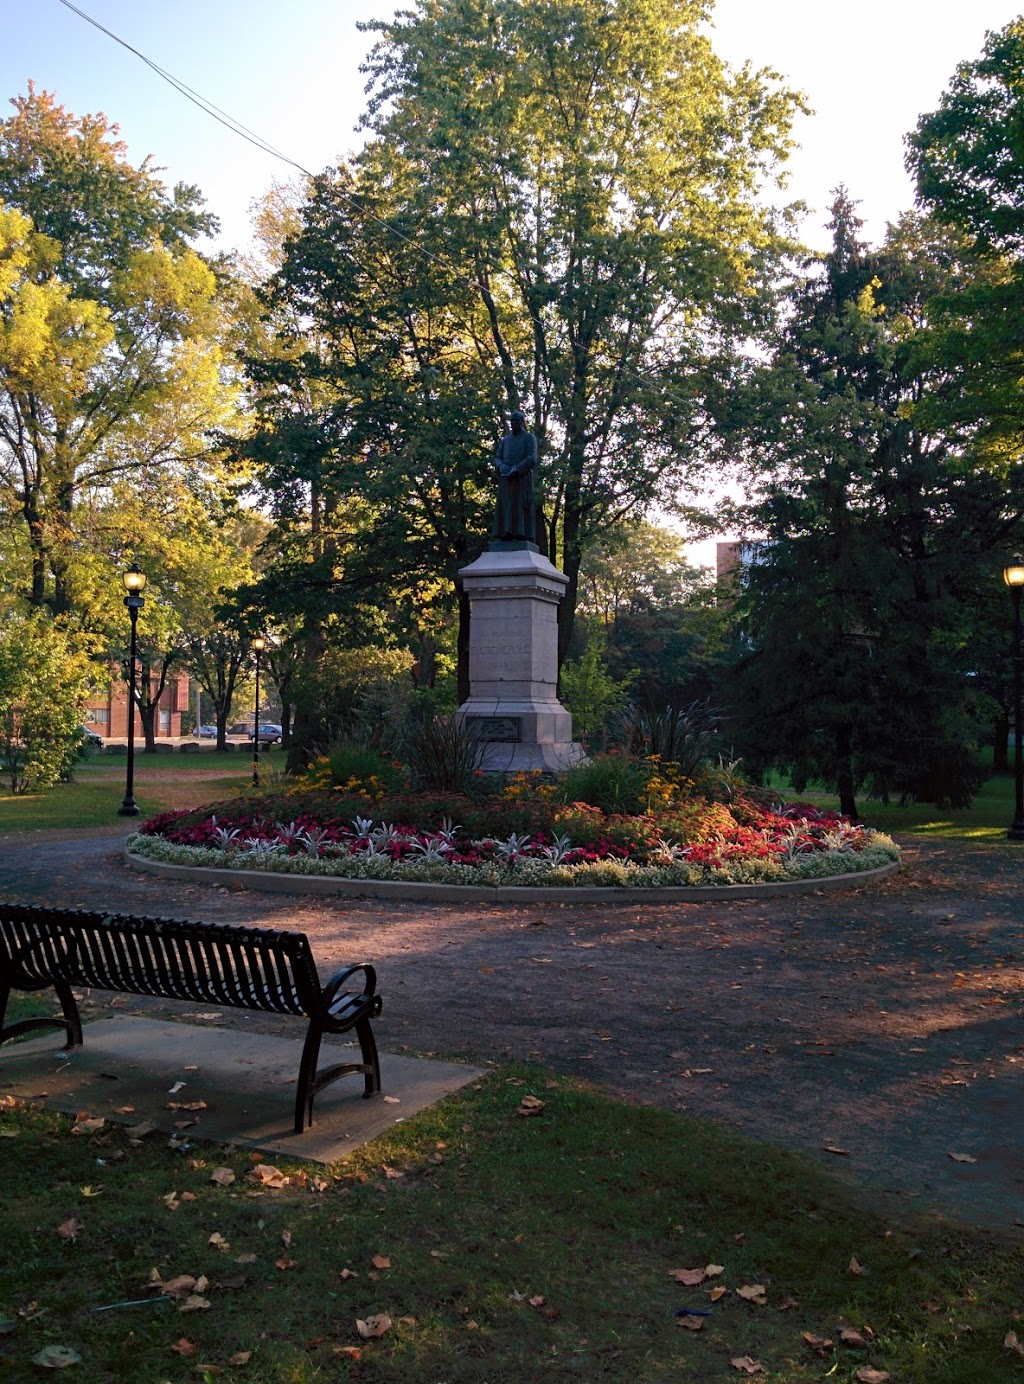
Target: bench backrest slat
241 967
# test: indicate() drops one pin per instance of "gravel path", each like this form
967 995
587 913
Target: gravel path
886 1022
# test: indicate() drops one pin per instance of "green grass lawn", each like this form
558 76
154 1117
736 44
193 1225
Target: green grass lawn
501 1248
985 820
161 782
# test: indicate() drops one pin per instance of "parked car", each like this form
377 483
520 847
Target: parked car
208 732
94 741
270 734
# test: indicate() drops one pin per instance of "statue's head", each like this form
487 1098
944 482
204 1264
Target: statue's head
517 420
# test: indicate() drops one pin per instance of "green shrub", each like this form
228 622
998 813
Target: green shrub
355 769
614 783
44 682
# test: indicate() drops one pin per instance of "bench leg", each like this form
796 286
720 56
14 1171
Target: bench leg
307 1078
371 1062
72 1019
311 1081
71 1022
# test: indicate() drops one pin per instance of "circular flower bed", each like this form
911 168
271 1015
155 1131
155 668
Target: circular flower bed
449 839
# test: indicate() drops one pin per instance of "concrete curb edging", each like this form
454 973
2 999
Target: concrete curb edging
423 892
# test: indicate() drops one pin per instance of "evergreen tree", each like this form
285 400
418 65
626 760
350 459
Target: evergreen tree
855 606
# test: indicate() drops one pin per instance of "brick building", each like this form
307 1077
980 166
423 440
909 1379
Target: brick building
107 714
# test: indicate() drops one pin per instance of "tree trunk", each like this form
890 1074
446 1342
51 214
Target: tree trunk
147 721
463 648
1001 746
845 782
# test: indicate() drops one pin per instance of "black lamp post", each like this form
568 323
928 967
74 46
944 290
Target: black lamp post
258 645
134 583
1013 575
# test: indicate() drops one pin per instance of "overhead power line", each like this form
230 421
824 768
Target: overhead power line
228 121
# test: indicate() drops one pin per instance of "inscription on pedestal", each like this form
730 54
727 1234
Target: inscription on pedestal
501 728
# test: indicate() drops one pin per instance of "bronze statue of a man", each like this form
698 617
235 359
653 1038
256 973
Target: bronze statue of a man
515 459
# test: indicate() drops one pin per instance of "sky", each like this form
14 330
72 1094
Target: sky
289 71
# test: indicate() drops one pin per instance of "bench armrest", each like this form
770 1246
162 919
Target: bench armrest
339 982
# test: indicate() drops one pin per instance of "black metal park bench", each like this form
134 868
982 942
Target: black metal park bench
209 963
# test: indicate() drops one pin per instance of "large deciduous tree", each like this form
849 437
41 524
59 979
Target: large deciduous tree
558 208
110 365
590 171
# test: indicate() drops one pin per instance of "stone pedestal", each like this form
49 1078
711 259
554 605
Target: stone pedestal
513 661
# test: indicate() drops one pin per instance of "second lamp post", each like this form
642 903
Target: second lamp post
134 580
1013 575
258 645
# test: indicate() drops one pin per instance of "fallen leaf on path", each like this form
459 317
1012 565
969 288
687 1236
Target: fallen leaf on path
746 1365
380 1261
373 1326
1011 1342
222 1177
753 1292
834 1148
195 1302
184 1347
689 1278
852 1338
962 1158
818 1343
691 1323
56 1358
178 1287
266 1175
530 1105
855 1267
240 1357
718 1292
867 1375
285 1262
218 1241
67 1230
353 1352
86 1124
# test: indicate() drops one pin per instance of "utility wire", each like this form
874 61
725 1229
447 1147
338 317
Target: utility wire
236 127
210 109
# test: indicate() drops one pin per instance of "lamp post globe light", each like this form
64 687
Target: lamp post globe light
1013 575
258 645
134 582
